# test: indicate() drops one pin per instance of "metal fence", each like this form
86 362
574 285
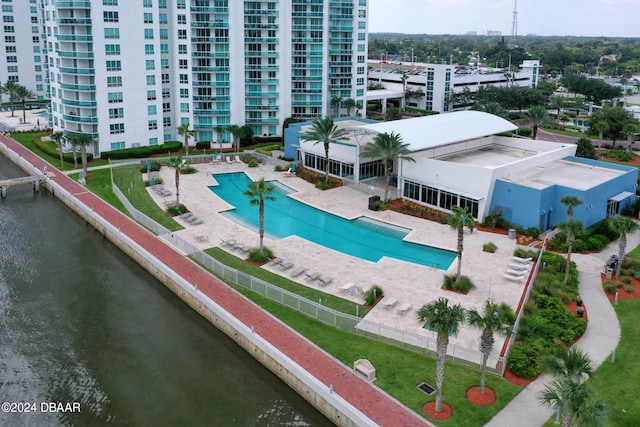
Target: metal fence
401 338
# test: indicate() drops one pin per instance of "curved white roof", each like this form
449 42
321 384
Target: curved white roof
422 133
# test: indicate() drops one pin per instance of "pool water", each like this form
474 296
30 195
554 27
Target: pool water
363 237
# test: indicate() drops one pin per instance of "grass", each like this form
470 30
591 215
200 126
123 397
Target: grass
99 183
635 253
614 380
399 371
129 180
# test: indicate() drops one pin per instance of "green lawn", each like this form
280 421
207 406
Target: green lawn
617 382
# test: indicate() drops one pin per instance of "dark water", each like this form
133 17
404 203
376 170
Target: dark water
82 323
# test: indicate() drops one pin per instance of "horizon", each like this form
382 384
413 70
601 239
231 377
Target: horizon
569 18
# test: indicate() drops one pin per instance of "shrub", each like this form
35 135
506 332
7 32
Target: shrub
489 247
464 285
525 132
141 152
372 295
525 253
626 280
172 210
203 145
188 170
253 163
155 167
51 149
610 287
278 168
523 361
260 257
157 181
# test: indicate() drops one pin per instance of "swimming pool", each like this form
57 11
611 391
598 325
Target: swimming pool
362 237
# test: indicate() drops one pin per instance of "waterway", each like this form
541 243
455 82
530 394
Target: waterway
81 323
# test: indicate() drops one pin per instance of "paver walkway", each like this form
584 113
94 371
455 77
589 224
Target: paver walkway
381 409
599 341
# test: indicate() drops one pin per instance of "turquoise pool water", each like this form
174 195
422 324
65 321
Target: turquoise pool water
363 237
45 114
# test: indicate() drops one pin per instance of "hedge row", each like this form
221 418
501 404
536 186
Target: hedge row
51 149
266 150
142 152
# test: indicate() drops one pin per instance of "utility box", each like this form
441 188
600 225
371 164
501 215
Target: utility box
512 233
373 203
608 272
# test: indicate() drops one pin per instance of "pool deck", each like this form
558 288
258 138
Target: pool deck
408 283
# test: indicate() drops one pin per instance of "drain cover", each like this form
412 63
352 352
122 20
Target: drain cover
427 388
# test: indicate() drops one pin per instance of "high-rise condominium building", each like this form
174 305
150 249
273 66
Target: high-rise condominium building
23 57
129 72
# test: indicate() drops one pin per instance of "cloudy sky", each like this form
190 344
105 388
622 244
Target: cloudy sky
542 17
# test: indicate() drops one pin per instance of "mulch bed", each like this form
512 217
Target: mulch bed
622 292
513 378
474 396
429 410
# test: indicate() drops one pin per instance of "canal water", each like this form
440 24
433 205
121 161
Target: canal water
84 326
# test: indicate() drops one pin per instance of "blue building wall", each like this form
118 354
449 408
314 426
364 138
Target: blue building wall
293 133
541 208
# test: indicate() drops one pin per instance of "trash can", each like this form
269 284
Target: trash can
608 272
373 203
512 233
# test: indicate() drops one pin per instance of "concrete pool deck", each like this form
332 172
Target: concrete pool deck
406 282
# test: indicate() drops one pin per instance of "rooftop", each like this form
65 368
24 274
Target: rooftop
488 156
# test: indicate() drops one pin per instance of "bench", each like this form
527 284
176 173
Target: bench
364 367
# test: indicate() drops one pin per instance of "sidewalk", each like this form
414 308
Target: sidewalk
599 341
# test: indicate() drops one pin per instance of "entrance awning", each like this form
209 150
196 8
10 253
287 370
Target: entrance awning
621 196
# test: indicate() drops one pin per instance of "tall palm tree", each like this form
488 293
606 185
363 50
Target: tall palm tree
496 320
457 219
236 133
335 103
404 79
570 202
83 140
390 148
631 130
178 164
571 228
10 89
572 363
325 131
622 225
57 137
220 130
186 133
558 102
538 117
445 320
578 104
24 94
350 104
73 139
258 192
600 126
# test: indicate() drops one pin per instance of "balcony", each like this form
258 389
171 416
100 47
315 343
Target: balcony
83 71
261 108
77 87
74 103
73 4
211 84
76 54
73 21
209 9
74 38
79 119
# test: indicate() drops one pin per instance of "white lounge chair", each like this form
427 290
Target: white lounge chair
518 266
238 159
404 308
313 276
325 281
522 260
388 303
348 287
230 243
510 275
228 159
286 266
298 272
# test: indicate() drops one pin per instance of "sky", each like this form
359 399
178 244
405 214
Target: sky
609 18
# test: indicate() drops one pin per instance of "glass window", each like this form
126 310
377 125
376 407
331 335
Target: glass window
110 16
148 18
150 64
151 80
112 33
114 81
114 66
151 95
148 33
115 97
116 128
112 49
116 113
152 110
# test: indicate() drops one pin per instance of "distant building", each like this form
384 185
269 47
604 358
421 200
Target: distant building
461 160
439 81
494 33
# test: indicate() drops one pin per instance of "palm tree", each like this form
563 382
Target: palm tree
492 108
335 103
325 131
24 94
10 89
236 133
622 225
496 320
258 192
631 130
390 148
72 138
600 126
404 79
186 133
350 104
537 117
220 130
457 219
176 162
568 394
578 104
57 137
83 140
445 320
558 102
571 228
570 202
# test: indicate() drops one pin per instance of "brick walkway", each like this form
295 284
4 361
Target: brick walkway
371 401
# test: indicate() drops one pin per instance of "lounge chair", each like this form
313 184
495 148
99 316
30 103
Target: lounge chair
298 272
230 243
348 287
522 260
325 281
404 308
228 159
518 266
286 266
197 222
510 275
276 261
238 159
388 303
312 276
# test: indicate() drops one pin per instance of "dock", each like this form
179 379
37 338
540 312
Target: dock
35 180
